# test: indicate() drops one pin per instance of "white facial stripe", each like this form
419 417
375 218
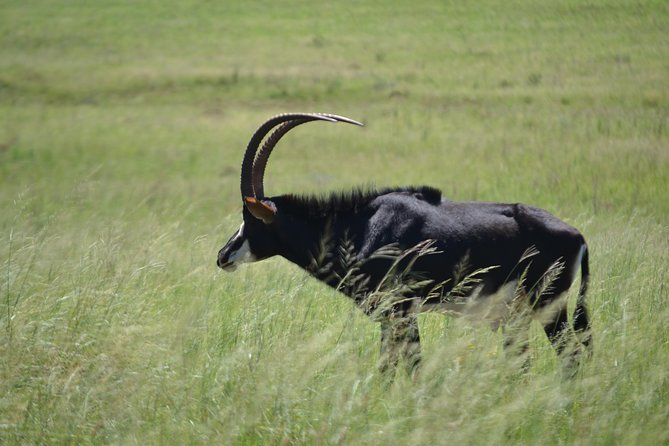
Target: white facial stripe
238 237
243 254
240 232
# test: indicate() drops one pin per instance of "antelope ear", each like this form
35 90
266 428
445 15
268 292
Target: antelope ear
263 210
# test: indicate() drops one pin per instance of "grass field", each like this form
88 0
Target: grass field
122 126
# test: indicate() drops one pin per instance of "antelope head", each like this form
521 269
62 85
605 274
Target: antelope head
258 236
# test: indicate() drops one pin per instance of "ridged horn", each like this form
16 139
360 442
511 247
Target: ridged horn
260 163
252 148
250 154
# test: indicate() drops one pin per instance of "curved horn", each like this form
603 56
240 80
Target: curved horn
262 156
252 147
260 163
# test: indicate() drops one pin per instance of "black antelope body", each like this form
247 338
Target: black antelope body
496 261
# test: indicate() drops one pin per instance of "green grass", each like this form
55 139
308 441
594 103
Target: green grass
122 126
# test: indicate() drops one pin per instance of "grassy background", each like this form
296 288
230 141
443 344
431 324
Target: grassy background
122 126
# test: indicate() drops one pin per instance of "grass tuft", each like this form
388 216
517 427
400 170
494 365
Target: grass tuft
121 132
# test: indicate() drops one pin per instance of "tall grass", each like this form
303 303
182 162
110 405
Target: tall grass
121 132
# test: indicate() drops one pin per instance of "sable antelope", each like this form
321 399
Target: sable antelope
433 253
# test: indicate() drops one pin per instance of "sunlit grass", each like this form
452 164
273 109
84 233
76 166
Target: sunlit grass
121 132
117 345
